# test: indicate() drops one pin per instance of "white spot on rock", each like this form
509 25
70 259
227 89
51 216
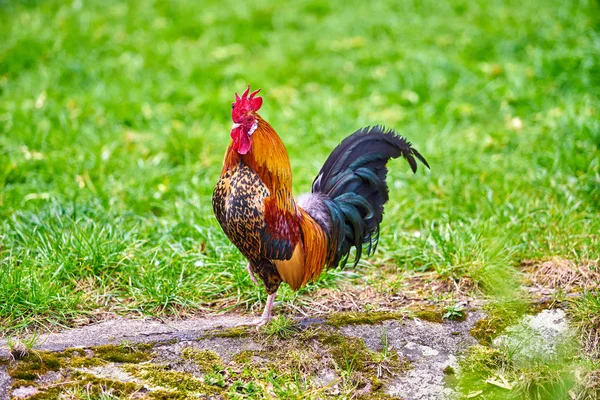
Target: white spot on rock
537 335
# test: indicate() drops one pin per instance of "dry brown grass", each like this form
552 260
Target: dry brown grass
562 275
389 292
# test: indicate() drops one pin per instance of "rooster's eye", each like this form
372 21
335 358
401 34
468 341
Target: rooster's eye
232 106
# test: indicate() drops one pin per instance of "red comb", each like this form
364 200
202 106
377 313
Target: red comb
246 103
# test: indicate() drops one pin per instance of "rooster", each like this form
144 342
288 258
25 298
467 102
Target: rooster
292 241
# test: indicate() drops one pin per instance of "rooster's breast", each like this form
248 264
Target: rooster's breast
238 203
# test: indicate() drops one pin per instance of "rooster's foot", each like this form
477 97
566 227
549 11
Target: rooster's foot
266 316
258 322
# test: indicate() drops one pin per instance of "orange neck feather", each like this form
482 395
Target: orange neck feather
269 159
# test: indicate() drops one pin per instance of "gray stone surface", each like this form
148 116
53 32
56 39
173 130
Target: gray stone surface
135 330
4 383
24 391
431 347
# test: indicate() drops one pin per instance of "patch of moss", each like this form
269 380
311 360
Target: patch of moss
243 357
236 332
181 381
124 354
206 360
71 352
33 365
348 353
85 362
485 330
119 389
21 382
168 395
428 313
38 363
92 385
449 370
47 394
501 314
362 318
24 375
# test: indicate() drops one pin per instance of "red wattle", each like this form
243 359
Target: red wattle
241 140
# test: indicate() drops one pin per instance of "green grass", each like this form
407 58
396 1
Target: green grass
115 115
585 310
489 373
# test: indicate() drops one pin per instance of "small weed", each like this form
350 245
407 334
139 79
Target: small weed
20 348
281 327
455 312
387 361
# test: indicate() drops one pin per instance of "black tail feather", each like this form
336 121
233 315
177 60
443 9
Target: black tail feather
353 180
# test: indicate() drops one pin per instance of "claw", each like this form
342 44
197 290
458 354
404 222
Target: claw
259 322
249 267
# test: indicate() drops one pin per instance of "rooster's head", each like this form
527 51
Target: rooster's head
244 120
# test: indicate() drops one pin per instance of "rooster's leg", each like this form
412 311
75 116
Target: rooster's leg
249 267
266 316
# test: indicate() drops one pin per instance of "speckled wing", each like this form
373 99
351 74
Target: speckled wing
242 205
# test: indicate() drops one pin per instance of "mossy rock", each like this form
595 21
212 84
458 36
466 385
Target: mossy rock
348 352
485 330
236 332
35 364
181 382
428 313
123 354
205 360
92 385
362 318
244 357
449 370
